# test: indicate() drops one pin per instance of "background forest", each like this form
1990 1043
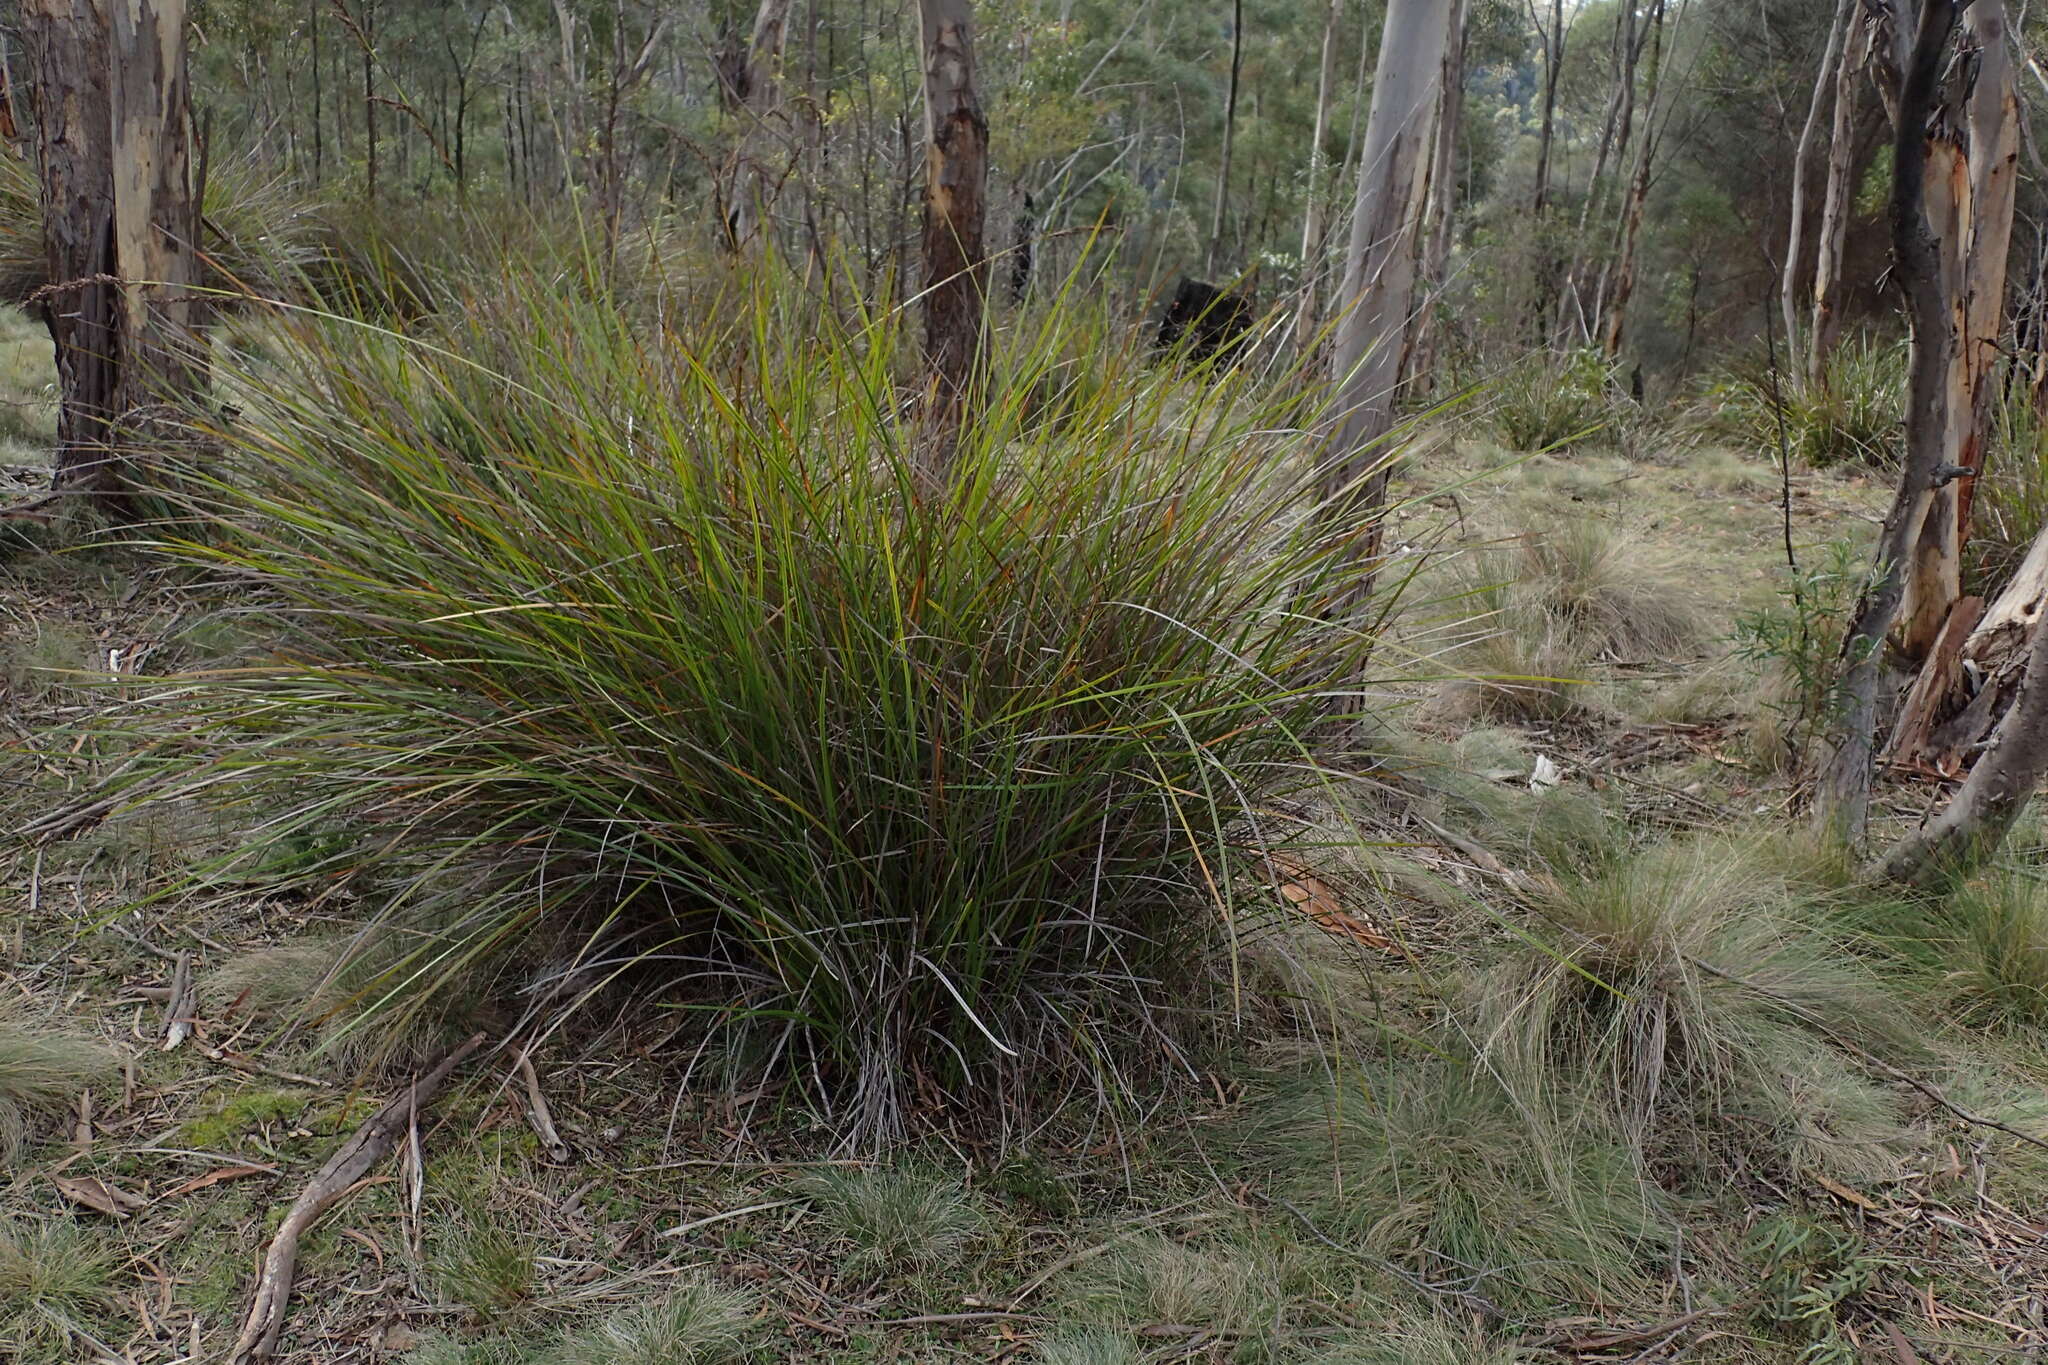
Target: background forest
915 680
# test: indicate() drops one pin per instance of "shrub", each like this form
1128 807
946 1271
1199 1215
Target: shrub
1796 645
1549 403
649 650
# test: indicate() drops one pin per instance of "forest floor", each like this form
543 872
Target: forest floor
136 1224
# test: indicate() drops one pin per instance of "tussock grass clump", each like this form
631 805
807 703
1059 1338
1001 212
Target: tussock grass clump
1232 1287
1089 1346
54 1280
895 1220
1603 588
488 1271
1537 614
649 648
260 230
693 1323
1688 983
1852 419
42 1069
1440 1169
1548 403
2000 974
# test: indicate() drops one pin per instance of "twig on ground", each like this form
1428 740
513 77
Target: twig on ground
537 1111
349 1164
178 1005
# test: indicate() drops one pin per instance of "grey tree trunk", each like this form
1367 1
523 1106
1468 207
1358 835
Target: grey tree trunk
1835 203
1553 68
1638 193
750 191
1842 793
1379 279
1312 218
1440 213
955 265
1978 202
1823 82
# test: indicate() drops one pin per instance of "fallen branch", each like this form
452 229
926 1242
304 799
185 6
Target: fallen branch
179 1006
543 1121
349 1164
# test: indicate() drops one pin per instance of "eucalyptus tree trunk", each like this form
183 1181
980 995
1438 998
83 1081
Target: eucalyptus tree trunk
1835 203
120 226
1842 793
750 191
1638 193
1312 217
1440 212
1823 81
1229 133
1978 199
1614 142
1553 67
955 265
1378 294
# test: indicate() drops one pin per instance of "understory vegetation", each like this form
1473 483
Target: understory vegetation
635 773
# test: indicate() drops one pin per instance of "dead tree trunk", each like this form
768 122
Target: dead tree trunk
120 226
955 266
1977 198
750 189
1842 795
1379 278
1835 205
1788 288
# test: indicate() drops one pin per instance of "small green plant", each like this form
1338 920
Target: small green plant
1796 645
896 1219
488 1271
54 1282
1089 1346
693 1323
1810 1272
1548 403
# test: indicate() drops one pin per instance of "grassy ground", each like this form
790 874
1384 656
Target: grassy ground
1606 1069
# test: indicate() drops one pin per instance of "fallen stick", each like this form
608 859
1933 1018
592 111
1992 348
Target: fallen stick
537 1111
349 1164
